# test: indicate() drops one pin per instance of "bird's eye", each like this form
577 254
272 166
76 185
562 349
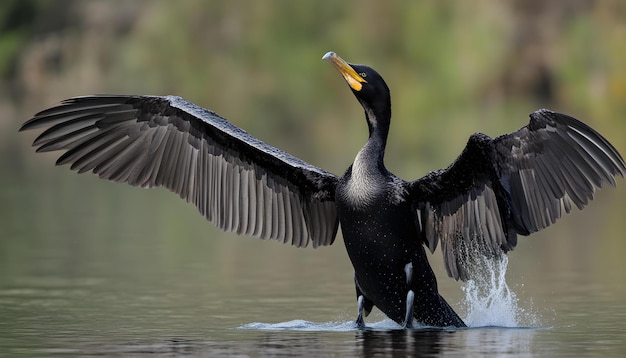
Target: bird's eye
363 74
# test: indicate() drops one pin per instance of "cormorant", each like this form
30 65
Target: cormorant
517 183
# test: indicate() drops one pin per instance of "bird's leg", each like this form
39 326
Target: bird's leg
364 305
410 296
408 318
360 323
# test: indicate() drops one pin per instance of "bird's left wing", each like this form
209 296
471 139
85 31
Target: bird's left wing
238 182
517 183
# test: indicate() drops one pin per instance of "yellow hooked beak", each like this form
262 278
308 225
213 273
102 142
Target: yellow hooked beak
355 81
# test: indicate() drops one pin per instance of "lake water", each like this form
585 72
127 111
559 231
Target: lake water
89 267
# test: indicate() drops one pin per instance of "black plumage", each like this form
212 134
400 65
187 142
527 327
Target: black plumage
497 188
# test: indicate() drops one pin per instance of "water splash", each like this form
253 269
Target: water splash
300 325
488 300
333 326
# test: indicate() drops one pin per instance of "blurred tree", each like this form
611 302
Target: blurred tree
15 19
532 57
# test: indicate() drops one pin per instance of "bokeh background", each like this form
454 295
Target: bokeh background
454 68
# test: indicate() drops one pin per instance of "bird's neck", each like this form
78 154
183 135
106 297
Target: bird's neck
370 158
378 123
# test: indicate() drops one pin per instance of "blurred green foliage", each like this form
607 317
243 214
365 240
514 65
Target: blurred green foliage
453 67
15 17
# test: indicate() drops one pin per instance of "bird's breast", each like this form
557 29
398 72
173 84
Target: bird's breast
367 183
362 190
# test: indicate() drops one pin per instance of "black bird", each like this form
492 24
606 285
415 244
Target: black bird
497 188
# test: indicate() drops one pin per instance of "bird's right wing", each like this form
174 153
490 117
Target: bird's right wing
517 183
238 182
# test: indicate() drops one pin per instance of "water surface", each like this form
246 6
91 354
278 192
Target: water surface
94 268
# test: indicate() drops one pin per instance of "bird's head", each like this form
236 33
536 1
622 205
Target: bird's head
368 87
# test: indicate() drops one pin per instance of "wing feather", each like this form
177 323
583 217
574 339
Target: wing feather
236 181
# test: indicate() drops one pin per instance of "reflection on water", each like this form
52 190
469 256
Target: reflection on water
491 341
421 343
